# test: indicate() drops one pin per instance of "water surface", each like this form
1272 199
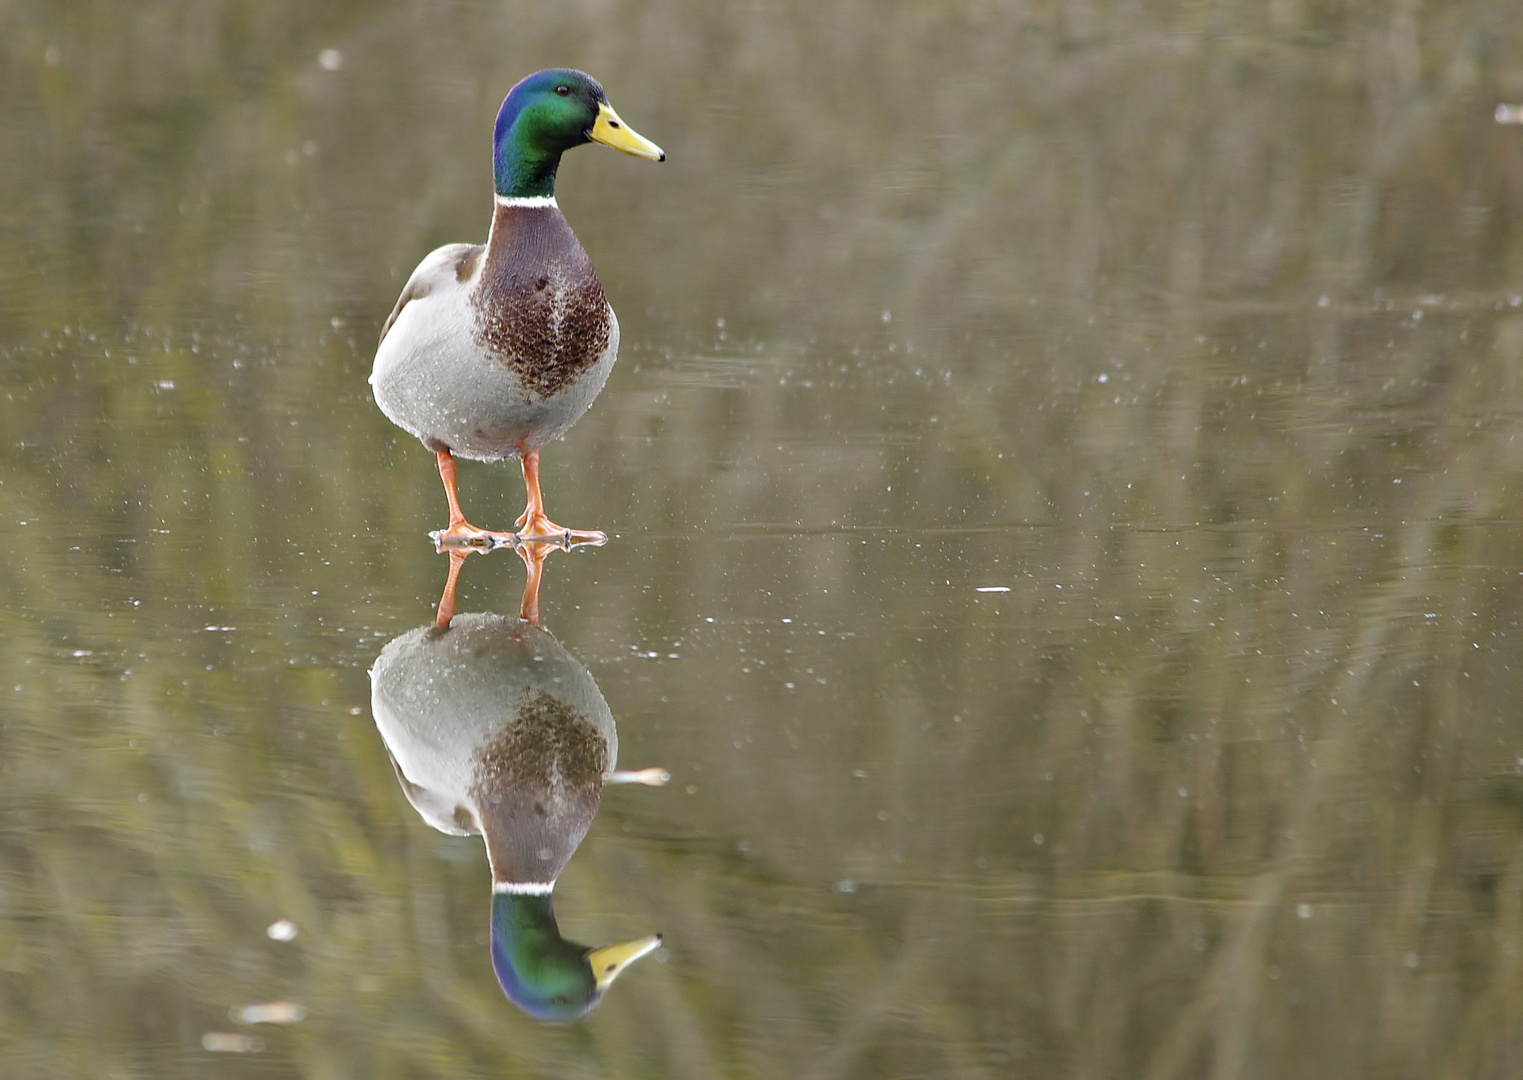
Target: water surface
1063 474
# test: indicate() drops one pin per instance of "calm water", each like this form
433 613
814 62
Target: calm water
1065 480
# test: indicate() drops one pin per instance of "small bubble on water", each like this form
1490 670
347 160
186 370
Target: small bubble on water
269 1012
225 1042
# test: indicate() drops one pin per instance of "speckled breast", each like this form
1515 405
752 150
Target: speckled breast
539 307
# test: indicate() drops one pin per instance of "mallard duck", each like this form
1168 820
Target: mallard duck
495 349
494 728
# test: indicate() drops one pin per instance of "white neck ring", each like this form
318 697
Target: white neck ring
528 202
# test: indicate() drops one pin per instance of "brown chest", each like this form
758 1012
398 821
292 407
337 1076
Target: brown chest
539 307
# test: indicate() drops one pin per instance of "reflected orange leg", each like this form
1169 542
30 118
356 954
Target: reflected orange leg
534 556
459 532
457 557
534 524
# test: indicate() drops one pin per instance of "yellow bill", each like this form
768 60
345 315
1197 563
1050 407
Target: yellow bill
609 130
608 961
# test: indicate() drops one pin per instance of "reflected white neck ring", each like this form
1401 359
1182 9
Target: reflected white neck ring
524 888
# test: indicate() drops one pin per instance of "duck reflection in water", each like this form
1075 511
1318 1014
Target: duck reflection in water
494 728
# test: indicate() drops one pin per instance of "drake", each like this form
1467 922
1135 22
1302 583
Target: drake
494 728
494 349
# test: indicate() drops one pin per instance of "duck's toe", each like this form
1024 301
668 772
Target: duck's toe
462 534
539 529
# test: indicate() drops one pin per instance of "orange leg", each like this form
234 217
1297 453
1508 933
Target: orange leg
459 532
534 524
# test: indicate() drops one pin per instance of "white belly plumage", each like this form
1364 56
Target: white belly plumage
433 379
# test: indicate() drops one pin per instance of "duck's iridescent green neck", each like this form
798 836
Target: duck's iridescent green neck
521 172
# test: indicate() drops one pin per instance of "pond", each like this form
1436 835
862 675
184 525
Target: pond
1064 486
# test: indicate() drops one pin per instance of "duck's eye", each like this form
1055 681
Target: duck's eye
563 90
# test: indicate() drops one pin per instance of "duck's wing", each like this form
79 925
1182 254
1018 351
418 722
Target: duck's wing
447 267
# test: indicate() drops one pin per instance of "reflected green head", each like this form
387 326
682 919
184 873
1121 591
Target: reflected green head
542 973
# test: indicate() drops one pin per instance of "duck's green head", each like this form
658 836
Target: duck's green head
547 114
542 973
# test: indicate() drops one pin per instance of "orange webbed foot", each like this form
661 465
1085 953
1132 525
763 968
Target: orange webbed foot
535 526
539 529
462 534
